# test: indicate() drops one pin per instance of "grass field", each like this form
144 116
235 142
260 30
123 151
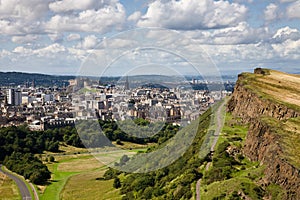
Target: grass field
85 186
8 188
77 175
58 180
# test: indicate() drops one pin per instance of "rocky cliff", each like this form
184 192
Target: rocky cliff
269 101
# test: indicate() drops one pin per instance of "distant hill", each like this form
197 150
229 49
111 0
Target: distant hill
19 78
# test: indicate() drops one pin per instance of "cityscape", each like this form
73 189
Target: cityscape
49 107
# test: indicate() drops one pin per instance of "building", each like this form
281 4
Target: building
11 97
18 98
14 97
127 83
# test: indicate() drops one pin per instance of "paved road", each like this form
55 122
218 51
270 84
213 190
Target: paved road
22 186
36 196
219 122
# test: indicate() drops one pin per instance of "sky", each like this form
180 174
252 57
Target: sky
59 37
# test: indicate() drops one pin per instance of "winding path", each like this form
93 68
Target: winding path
25 194
219 124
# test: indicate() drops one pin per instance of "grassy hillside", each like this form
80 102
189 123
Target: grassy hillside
176 181
278 86
232 175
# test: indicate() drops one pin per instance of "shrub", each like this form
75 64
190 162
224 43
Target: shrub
51 159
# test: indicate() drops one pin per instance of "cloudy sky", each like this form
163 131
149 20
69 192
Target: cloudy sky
56 37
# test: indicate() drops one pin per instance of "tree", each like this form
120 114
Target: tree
119 142
117 183
124 159
51 159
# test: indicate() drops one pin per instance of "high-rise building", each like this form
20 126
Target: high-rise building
126 83
11 97
18 98
14 97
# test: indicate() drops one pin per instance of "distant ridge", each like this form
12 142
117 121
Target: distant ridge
20 78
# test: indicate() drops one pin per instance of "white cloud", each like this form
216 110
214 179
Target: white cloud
4 53
285 34
56 37
243 1
134 16
50 51
102 20
293 10
192 14
289 49
287 1
271 12
26 10
19 17
88 42
242 33
24 39
22 50
79 5
79 54
73 37
33 17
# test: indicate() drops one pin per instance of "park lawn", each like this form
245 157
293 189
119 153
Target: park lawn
63 169
8 188
89 185
130 145
79 164
72 173
57 182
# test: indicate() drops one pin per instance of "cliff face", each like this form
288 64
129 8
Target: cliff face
267 115
248 105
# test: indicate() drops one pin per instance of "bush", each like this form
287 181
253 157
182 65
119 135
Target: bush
51 159
109 174
117 183
28 166
119 142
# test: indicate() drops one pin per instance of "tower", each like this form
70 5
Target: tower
18 98
33 84
126 83
10 97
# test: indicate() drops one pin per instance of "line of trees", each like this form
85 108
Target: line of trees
28 166
18 146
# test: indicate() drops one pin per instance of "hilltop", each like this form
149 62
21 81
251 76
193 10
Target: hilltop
276 86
